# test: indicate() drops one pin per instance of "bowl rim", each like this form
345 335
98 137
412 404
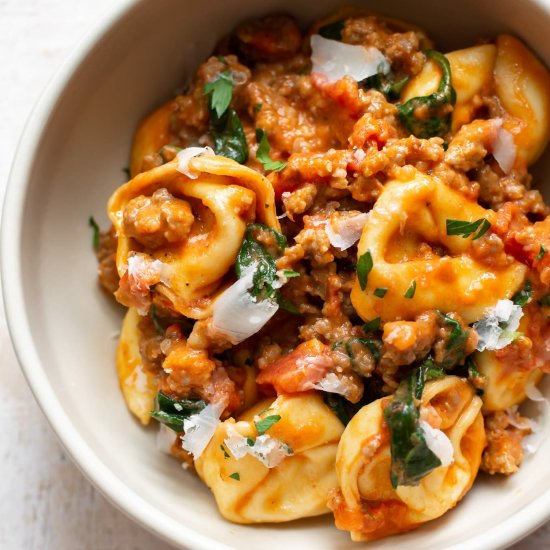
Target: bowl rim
110 486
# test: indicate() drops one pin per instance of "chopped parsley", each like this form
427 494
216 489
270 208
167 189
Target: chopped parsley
262 154
380 292
410 291
224 451
372 326
236 476
95 232
220 92
258 106
364 267
466 229
266 423
290 274
541 253
228 136
522 296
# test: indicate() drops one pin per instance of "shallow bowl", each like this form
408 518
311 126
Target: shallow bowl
71 158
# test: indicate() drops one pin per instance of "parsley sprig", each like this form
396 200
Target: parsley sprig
364 267
262 154
220 92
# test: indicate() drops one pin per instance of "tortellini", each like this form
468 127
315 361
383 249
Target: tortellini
407 214
367 504
522 84
186 246
247 491
139 385
505 380
152 134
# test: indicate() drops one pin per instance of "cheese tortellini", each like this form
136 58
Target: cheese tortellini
248 491
138 384
366 503
407 214
521 82
182 234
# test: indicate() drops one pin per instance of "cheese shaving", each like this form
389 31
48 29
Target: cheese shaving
438 442
200 428
268 450
335 59
185 155
497 329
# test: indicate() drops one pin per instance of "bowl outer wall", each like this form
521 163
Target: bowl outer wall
27 252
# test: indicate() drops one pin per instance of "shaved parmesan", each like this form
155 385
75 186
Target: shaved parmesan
237 315
438 442
497 329
504 147
268 450
344 231
539 430
335 59
200 428
332 384
185 155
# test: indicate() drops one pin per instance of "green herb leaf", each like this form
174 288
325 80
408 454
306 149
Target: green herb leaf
364 267
287 305
410 291
262 154
252 253
228 135
541 253
465 229
95 232
172 412
258 106
332 31
290 274
380 292
250 441
522 296
438 119
411 458
224 451
265 423
220 91
456 342
372 326
390 88
154 318
341 407
236 476
223 60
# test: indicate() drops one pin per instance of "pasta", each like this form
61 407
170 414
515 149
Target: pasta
336 270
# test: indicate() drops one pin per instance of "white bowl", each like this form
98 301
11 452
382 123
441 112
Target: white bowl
70 160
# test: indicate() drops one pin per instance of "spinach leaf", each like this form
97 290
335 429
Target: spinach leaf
341 407
228 135
253 254
332 31
172 412
435 119
373 325
380 292
456 342
383 83
411 458
522 296
262 153
410 291
95 232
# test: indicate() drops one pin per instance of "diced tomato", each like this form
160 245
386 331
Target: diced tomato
300 369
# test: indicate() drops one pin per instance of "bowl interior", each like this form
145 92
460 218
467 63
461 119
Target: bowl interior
58 313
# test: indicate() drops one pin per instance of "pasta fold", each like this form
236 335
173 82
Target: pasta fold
366 503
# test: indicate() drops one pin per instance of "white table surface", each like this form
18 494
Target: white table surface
45 502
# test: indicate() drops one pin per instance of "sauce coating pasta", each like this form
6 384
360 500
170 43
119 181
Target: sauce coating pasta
336 270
